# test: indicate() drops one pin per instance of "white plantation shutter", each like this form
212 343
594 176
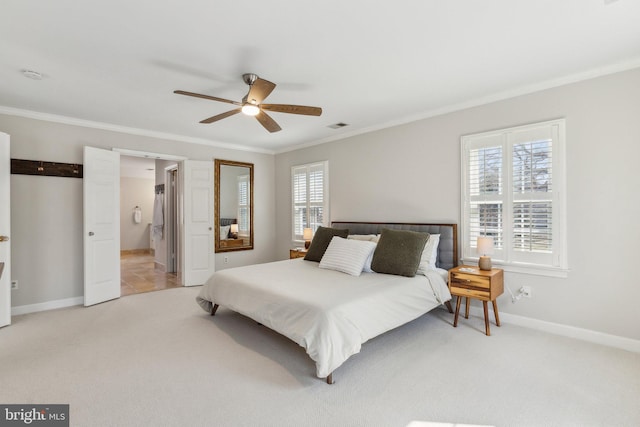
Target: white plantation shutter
299 188
309 187
513 182
485 189
532 197
243 205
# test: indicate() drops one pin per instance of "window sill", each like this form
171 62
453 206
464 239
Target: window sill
536 270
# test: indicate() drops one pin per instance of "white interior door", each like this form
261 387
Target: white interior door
101 189
197 222
5 224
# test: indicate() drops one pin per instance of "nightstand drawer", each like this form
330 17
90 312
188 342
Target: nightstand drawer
462 279
475 293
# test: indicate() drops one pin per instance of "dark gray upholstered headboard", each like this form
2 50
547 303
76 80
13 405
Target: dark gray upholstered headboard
447 249
227 221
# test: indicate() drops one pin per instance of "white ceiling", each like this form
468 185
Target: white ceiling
137 167
370 65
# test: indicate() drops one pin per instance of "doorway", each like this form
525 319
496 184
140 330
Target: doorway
102 207
147 259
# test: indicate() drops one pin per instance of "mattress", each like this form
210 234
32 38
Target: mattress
330 314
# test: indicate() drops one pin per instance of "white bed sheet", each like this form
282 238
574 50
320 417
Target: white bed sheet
330 314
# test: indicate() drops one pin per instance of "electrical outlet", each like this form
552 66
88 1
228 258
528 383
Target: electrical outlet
226 260
14 284
526 291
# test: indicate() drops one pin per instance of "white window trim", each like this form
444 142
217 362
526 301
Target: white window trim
325 164
560 260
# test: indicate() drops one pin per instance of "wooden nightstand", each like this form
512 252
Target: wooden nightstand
471 282
295 253
231 243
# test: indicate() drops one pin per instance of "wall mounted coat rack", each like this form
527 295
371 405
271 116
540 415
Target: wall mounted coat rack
38 167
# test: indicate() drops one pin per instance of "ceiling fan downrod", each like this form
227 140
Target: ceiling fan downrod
249 78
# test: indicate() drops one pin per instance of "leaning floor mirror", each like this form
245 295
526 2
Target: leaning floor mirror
234 206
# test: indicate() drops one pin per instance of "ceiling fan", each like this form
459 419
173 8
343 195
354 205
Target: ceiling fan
252 105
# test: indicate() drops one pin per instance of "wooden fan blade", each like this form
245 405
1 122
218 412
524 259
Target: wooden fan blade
293 109
259 90
221 116
212 98
268 123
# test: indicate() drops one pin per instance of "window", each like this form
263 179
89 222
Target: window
513 183
243 205
310 197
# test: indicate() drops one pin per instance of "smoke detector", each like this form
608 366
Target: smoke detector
33 75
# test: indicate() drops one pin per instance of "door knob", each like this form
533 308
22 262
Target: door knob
91 233
4 238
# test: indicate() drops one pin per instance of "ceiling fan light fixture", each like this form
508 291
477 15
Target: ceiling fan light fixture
250 109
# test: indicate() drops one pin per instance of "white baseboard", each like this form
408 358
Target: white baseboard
559 329
43 306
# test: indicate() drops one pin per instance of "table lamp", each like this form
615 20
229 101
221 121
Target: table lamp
484 248
234 231
307 235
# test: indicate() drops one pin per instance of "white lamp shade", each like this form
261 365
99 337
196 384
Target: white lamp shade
307 234
485 245
234 228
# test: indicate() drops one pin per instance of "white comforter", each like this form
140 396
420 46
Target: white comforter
330 314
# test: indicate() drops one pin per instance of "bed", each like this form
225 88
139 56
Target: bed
327 312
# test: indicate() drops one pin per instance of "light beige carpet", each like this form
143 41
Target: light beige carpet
157 359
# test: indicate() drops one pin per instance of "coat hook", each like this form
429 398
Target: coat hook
41 167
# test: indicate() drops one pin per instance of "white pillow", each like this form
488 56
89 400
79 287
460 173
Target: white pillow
367 238
367 263
224 232
347 256
364 237
429 254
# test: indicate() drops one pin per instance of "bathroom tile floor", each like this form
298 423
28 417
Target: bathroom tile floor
138 275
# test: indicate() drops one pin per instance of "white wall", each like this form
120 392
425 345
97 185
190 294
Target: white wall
46 212
412 173
135 192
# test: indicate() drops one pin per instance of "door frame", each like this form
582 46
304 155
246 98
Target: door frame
5 228
172 195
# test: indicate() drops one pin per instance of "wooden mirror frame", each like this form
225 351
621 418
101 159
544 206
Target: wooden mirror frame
218 246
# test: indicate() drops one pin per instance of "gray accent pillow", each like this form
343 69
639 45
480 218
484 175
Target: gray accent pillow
321 240
399 252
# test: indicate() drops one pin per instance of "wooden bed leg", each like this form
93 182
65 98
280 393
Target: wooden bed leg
330 378
448 304
214 309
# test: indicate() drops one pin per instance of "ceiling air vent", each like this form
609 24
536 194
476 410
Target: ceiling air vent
338 125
